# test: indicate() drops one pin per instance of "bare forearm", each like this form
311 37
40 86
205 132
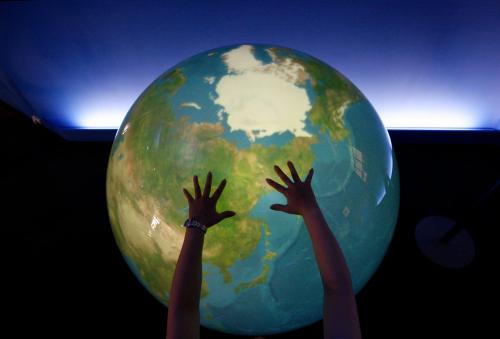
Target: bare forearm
332 265
340 315
186 283
183 315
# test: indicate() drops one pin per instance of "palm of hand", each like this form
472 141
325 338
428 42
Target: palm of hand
299 194
202 207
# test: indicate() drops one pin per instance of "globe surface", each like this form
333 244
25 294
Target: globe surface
237 111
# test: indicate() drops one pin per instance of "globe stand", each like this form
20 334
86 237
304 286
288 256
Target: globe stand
447 242
434 241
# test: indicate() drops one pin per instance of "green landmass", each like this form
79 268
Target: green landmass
334 93
155 271
260 279
204 289
264 274
269 255
159 154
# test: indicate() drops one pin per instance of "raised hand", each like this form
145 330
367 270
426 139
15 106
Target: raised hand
340 315
202 207
299 194
184 304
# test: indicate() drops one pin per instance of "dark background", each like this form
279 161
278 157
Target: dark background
63 275
421 63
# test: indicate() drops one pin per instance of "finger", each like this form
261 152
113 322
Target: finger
293 171
219 190
208 186
225 215
197 189
282 175
188 196
276 186
309 176
279 207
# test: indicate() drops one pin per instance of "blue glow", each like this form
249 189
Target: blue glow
425 64
429 113
99 111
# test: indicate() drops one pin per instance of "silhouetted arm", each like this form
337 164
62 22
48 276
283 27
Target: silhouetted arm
183 314
340 316
183 309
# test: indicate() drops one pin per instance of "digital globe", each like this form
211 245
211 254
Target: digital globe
237 111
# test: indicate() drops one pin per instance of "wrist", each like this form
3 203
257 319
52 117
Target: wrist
195 223
193 232
311 209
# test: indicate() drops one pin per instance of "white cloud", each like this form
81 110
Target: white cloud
190 105
209 80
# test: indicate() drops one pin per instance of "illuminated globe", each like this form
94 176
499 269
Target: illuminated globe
237 111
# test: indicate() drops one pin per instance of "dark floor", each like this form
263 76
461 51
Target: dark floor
64 277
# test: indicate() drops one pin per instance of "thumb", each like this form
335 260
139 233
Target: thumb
225 215
279 207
